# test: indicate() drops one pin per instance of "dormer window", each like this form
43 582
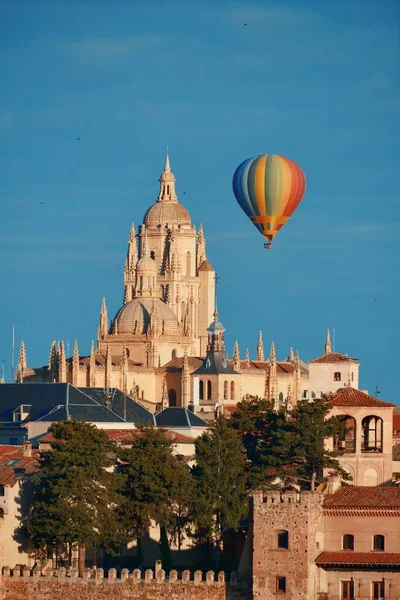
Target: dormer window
20 413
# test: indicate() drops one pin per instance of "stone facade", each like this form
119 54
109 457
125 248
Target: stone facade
300 517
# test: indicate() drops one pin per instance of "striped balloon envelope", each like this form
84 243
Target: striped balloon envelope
269 188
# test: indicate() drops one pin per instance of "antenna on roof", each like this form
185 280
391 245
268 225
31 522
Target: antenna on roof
334 339
377 391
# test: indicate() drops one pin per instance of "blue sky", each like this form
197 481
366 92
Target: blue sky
130 77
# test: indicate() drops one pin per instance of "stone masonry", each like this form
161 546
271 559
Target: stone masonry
301 516
17 584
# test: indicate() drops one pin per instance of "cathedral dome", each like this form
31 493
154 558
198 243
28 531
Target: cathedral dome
162 213
134 317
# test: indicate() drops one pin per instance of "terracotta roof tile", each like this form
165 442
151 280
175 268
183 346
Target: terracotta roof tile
396 421
334 357
125 435
176 364
28 465
364 497
351 397
346 557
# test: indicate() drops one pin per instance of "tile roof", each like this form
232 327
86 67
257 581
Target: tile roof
364 497
125 435
396 421
333 357
351 397
176 364
346 557
26 464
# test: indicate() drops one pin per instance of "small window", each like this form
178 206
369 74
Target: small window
348 542
209 390
232 390
152 254
12 462
283 540
1 490
281 585
225 390
337 376
352 376
280 397
201 390
379 542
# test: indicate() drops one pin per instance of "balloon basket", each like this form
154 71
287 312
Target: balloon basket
268 245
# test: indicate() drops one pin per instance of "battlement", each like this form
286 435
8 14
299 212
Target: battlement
97 576
260 498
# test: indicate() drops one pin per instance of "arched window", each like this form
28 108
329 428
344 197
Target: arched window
172 397
372 429
152 254
232 390
379 542
345 443
201 390
313 395
225 390
173 354
142 394
280 397
188 264
209 390
282 538
348 542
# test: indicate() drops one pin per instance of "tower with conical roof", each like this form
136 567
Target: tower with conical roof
260 348
328 345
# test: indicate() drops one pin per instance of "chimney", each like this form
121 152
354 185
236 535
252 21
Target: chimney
27 450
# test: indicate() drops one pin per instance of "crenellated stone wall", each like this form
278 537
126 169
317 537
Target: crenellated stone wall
23 584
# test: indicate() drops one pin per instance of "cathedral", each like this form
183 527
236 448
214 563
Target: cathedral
165 345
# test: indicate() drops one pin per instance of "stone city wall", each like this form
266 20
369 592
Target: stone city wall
21 584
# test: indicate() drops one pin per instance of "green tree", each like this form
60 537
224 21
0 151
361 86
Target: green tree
157 487
311 427
220 500
75 497
266 437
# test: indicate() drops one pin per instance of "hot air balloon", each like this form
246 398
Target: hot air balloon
269 188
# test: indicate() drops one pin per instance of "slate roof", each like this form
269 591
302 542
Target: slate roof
352 397
346 557
28 465
334 357
215 363
178 417
364 497
59 401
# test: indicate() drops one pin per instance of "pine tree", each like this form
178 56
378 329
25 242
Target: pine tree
310 428
157 487
220 482
265 436
74 496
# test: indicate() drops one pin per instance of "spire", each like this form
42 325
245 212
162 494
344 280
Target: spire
103 327
167 184
145 244
62 364
201 255
236 357
53 361
291 355
108 369
92 367
272 354
164 394
328 346
75 365
260 348
247 359
130 265
185 381
21 367
124 371
297 365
